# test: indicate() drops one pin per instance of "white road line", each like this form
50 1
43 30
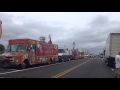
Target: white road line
32 68
112 69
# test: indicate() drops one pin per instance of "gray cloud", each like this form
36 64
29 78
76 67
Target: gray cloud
92 37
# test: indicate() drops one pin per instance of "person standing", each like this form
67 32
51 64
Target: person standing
38 49
117 66
31 53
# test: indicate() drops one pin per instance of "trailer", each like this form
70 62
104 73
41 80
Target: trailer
26 52
112 48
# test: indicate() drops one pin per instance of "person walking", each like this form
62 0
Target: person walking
117 66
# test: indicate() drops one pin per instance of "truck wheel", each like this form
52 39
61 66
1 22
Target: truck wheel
24 65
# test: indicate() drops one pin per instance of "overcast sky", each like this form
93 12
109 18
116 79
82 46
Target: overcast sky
89 30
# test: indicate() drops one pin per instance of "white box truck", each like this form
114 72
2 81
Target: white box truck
63 54
112 48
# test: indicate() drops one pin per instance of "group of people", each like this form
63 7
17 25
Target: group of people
117 66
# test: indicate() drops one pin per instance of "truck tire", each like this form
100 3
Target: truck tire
24 65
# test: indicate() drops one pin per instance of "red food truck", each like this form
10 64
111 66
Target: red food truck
26 52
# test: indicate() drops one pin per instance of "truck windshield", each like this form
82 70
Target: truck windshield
16 48
61 51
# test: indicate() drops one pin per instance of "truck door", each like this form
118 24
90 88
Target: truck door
32 55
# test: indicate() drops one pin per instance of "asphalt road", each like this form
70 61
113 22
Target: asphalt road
82 68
